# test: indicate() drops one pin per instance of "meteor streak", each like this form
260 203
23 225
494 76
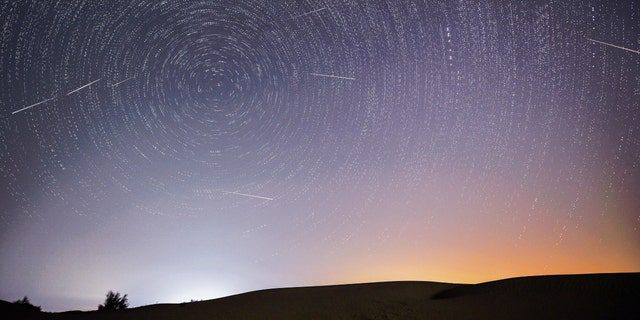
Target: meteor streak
308 13
613 45
33 105
121 82
86 85
331 76
248 195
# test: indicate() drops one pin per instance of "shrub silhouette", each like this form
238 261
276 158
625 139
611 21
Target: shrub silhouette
27 304
114 302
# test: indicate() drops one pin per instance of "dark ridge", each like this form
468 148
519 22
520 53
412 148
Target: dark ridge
592 296
615 284
10 310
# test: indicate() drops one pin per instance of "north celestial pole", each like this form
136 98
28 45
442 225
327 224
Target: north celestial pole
178 150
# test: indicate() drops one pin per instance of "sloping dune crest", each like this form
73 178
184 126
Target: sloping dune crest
594 296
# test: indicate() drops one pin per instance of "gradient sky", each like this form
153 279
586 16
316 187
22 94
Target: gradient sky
217 147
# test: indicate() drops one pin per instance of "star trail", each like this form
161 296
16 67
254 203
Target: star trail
191 149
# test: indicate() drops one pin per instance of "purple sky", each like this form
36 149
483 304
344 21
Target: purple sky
194 149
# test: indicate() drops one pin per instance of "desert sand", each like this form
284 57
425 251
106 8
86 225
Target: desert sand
593 296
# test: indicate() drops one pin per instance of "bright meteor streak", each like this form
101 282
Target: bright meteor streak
613 45
248 195
121 82
331 76
33 105
308 13
86 85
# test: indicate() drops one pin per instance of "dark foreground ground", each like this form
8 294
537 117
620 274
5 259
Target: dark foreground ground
596 296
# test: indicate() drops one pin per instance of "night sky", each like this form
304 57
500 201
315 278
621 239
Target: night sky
177 150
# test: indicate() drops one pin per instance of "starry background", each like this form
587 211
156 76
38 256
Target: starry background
227 146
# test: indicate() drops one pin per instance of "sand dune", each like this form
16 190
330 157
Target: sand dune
596 296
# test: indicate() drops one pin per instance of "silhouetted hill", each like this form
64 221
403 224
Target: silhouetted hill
18 311
594 296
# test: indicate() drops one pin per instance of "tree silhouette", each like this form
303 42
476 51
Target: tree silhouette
26 303
114 301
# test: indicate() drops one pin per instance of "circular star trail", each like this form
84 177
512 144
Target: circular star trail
271 141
